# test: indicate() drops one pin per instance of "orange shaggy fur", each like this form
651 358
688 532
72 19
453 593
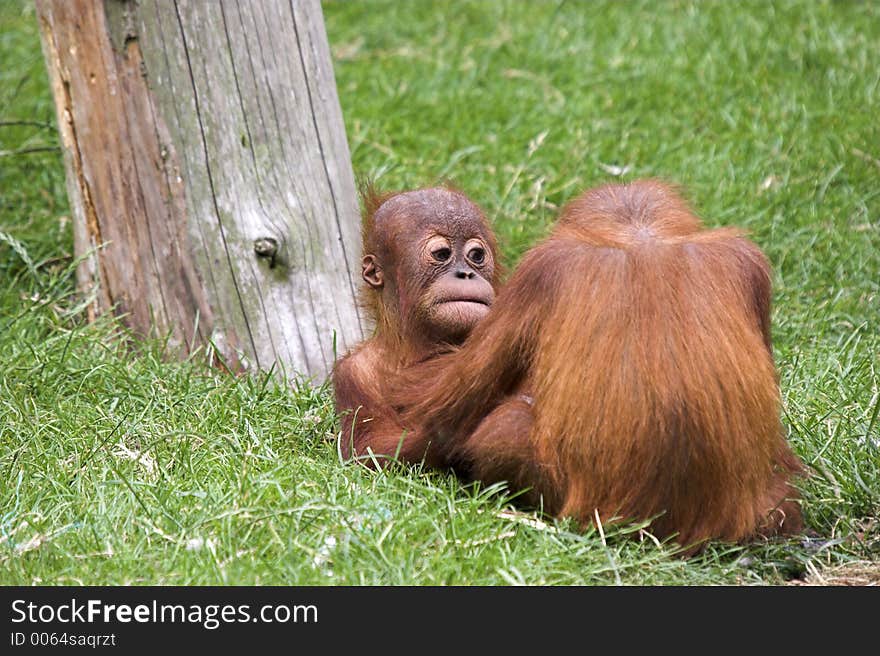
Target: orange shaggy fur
625 370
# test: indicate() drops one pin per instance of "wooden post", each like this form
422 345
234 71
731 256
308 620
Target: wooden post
209 175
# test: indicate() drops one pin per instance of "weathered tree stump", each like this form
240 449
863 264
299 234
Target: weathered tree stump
208 173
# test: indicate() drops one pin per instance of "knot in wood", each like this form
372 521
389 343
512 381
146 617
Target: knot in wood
266 247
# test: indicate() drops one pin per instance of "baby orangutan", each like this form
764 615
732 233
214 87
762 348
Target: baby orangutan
429 276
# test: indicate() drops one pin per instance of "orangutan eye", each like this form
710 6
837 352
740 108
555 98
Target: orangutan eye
477 255
441 254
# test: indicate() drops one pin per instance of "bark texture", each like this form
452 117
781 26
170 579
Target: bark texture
209 174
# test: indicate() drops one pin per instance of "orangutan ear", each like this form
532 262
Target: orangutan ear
372 272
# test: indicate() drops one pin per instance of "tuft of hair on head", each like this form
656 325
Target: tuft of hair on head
449 185
371 199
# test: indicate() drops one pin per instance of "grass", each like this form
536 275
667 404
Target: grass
119 465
